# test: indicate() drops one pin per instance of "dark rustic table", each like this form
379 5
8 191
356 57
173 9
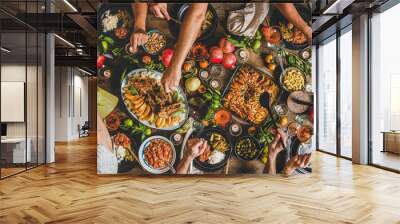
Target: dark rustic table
234 165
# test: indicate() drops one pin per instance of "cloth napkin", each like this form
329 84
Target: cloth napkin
245 22
106 161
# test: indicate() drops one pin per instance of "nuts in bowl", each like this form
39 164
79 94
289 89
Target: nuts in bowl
156 42
293 79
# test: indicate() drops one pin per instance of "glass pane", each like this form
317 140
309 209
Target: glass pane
385 84
327 96
346 94
41 99
13 86
31 98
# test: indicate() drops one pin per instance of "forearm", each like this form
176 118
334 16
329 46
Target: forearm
270 168
188 33
183 166
140 14
290 13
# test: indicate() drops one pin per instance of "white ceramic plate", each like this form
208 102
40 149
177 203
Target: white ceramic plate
143 161
155 75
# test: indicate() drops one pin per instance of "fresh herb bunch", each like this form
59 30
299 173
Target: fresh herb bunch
155 66
105 44
253 43
295 61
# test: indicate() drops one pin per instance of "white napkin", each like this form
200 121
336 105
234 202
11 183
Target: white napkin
106 161
245 22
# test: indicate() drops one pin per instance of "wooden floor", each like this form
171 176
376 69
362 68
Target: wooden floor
69 191
387 159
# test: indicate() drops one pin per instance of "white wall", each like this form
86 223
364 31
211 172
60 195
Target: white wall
71 102
33 127
16 73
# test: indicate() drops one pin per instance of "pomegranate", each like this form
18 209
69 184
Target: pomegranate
166 56
229 61
226 45
100 61
216 55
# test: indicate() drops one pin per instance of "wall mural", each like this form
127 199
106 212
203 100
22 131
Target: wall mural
204 89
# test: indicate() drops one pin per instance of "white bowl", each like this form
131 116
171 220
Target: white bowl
143 162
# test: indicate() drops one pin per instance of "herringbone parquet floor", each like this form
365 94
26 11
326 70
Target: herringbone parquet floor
69 191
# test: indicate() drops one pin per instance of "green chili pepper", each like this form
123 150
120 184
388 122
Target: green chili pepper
208 96
104 44
109 40
258 35
257 44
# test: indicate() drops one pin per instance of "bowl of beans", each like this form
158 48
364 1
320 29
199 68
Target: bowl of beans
156 42
292 79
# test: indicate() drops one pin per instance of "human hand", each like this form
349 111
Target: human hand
276 146
171 78
160 10
298 161
308 34
195 147
138 38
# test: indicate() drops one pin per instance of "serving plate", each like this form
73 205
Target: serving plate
235 116
143 161
120 24
206 167
156 75
175 28
277 17
125 165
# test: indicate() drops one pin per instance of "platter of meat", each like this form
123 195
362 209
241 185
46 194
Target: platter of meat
147 102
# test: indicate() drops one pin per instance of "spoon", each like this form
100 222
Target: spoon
264 101
301 102
175 20
173 171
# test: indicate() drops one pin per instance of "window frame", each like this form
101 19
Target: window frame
334 37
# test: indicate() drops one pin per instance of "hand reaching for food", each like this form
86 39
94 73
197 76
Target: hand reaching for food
274 149
138 38
276 146
195 147
160 10
170 79
298 161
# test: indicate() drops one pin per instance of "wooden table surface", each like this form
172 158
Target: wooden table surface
234 166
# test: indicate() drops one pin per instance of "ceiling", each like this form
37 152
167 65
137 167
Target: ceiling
332 15
72 20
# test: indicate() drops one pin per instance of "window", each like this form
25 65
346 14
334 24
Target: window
385 89
327 96
346 92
